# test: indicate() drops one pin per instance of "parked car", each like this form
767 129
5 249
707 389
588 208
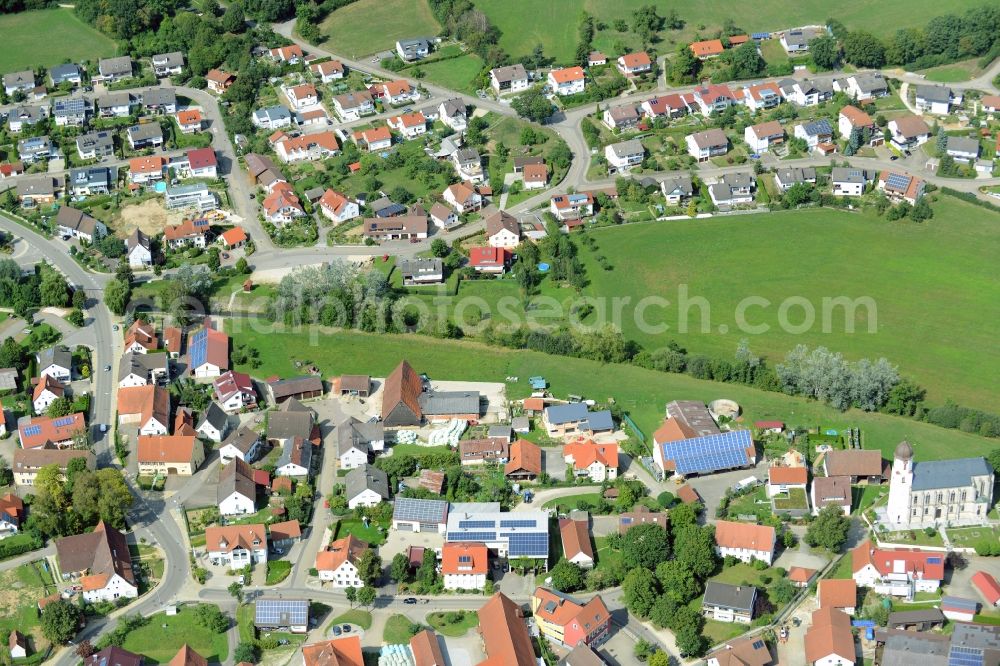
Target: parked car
346 628
409 600
336 631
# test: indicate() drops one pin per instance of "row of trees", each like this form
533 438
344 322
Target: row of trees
827 376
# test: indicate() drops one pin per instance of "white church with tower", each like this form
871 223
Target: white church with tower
937 492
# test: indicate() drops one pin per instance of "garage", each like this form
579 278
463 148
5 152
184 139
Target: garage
402 527
419 515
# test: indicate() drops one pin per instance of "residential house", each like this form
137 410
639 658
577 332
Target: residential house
567 622
535 176
567 81
640 515
27 461
110 70
100 561
598 462
47 391
442 216
624 155
959 608
762 96
172 341
503 230
733 189
302 96
900 573
410 125
468 165
479 451
236 546
394 93
214 423
146 135
208 351
237 491
338 562
510 79
863 87
10 169
169 454
375 139
572 206
202 163
426 649
282 205
709 48
990 103
852 118
219 81
136 369
338 208
574 418
729 603
635 64
806 92
707 144
829 641
145 170
761 137
19 82
233 238
272 118
908 132
937 100
192 233
115 105
242 444
830 490
463 198
77 224
354 105
168 64
848 181
664 106
396 228
37 190
296 458
357 441
420 515
900 186
713 98
11 515
66 73
841 594
290 55
745 541
331 70
525 462
454 114
575 537
336 652
801 576
159 100
70 111
963 149
37 149
814 133
862 466
284 535
504 632
797 40
596 59
366 485
306 147
55 362
22 117
752 651
786 177
89 181
234 391
416 48
464 566
489 259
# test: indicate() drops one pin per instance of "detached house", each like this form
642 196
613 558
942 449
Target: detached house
729 603
936 99
147 135
453 113
463 198
302 96
45 432
707 144
167 64
814 133
709 48
503 230
900 186
567 81
237 491
338 562
145 170
356 441
188 233
598 462
219 81
852 118
713 98
366 486
468 165
234 391
338 208
761 137
416 48
762 96
115 105
510 79
635 64
567 622
331 70
47 391
307 147
403 227
624 155
908 132
55 362
745 541
243 444
77 224
733 189
572 206
22 117
464 566
37 149
71 111
142 369
282 205
665 106
169 454
290 55
863 87
394 92
901 572
110 70
375 139
354 105
272 118
66 73
489 259
100 561
677 189
208 352
89 181
236 546
849 182
214 423
783 479
575 537
410 125
147 406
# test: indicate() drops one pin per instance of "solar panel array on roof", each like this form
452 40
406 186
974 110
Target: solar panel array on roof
528 544
897 181
712 453
281 613
33 430
65 421
517 523
965 656
419 510
198 348
476 524
472 536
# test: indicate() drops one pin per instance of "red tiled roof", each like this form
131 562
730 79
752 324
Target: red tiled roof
344 651
464 558
856 116
234 236
837 593
487 256
567 75
987 586
586 452
200 158
633 60
142 165
575 537
922 564
524 456
505 635
729 534
188 116
709 47
787 475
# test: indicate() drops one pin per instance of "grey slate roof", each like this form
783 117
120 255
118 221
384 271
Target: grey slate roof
65 72
114 99
90 177
934 93
366 477
849 175
57 355
141 364
735 597
955 473
420 266
115 66
42 185
905 648
500 430
354 434
287 425
677 185
509 73
916 616
172 59
449 402
870 82
568 413
963 144
739 179
214 416
626 148
25 79
796 175
145 132
273 114
237 477
453 107
242 439
158 97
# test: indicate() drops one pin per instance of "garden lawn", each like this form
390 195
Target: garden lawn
914 538
369 26
554 23
161 638
844 568
20 590
354 616
277 571
370 535
968 537
796 499
571 500
398 630
954 73
455 74
642 393
441 623
932 285
48 37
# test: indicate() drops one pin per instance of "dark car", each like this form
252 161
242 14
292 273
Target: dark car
346 628
893 158
409 600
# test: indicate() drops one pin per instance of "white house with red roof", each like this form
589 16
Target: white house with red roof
338 563
665 106
47 391
572 206
713 97
783 479
567 81
338 208
189 120
305 147
394 92
988 586
287 54
489 259
302 96
464 565
202 163
410 125
282 205
745 541
635 64
900 572
762 96
328 71
463 198
598 462
234 238
234 391
375 139
208 351
503 230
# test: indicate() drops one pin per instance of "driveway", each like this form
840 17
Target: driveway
714 486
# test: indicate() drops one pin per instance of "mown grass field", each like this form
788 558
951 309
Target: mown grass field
369 26
642 393
48 37
161 638
554 23
454 74
933 286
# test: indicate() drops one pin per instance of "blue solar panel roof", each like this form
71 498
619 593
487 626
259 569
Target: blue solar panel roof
475 524
517 523
711 453
65 421
281 612
33 430
529 544
198 348
472 536
964 656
